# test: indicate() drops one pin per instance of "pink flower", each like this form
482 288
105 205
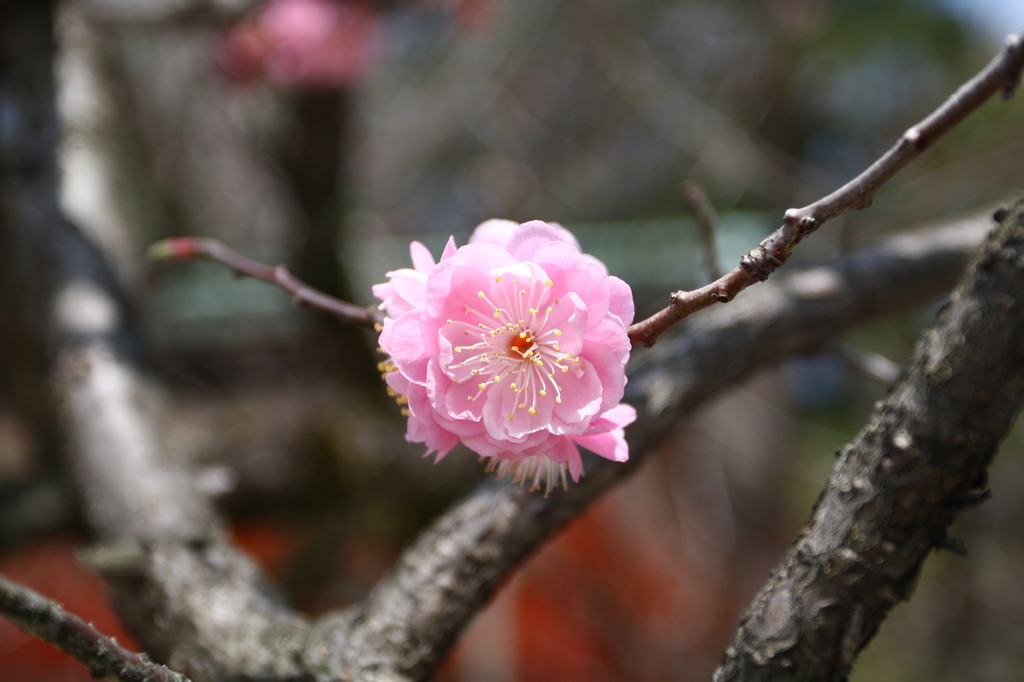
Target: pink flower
514 344
310 43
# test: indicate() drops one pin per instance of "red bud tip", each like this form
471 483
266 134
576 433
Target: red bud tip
178 248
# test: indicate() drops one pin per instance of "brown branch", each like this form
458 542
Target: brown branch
893 493
101 655
414 615
707 222
184 248
1001 75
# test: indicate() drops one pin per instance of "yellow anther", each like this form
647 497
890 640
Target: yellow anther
533 410
481 386
549 283
480 294
556 332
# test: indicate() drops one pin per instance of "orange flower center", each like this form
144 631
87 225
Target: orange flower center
521 343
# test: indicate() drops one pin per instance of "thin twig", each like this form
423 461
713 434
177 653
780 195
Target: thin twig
104 658
707 220
184 248
1002 75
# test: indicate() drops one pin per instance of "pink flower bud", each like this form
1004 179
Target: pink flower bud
302 43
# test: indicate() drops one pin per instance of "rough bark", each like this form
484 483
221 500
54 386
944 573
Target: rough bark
894 491
104 658
194 601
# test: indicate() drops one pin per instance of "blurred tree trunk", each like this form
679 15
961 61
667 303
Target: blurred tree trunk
314 157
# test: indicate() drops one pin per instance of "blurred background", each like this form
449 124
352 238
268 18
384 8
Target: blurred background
328 134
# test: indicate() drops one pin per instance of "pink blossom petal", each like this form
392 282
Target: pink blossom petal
403 339
494 231
449 249
307 43
565 452
408 291
580 390
606 437
425 428
606 364
421 258
620 300
575 463
535 234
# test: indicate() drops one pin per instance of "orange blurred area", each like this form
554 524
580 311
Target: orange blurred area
50 567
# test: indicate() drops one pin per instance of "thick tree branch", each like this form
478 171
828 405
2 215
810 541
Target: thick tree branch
919 461
444 578
104 658
1002 75
191 599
